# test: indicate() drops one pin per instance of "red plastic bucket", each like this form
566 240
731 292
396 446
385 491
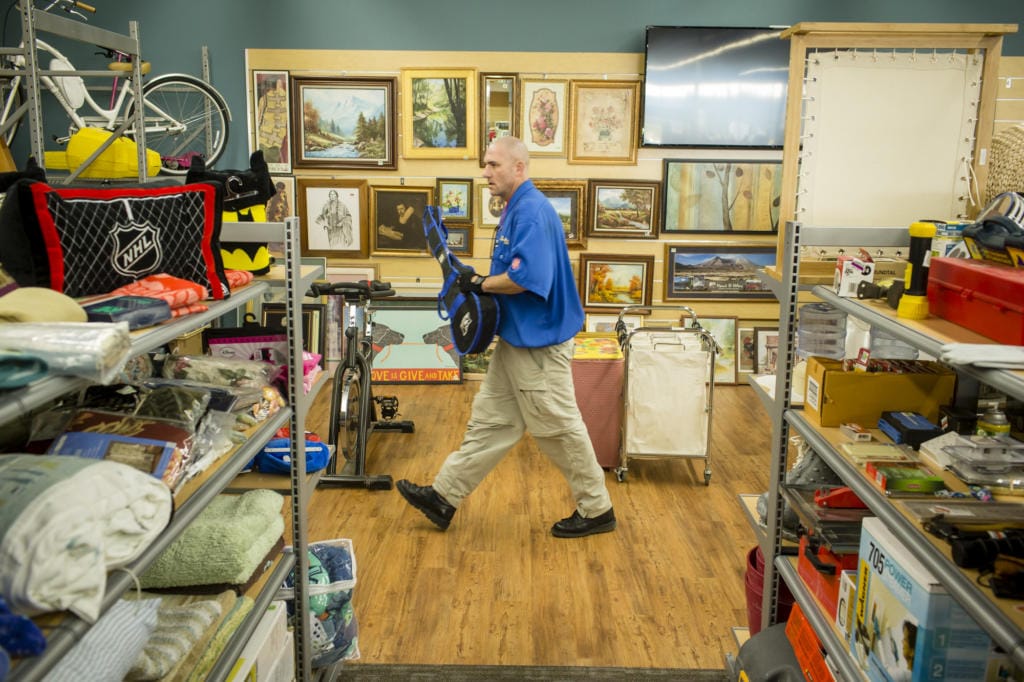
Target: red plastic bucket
755 591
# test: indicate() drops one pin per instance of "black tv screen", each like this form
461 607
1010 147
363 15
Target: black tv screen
714 87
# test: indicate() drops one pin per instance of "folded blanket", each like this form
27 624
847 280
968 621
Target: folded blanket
243 607
226 602
65 522
178 628
225 544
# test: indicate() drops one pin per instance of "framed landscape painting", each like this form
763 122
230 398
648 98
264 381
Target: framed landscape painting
609 281
344 122
623 209
569 199
730 196
439 114
716 271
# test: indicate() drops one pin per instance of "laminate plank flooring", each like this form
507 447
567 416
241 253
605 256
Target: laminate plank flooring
662 591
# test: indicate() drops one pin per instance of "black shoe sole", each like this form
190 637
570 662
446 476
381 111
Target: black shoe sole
593 530
438 520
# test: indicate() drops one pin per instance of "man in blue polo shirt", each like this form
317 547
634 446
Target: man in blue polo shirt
529 380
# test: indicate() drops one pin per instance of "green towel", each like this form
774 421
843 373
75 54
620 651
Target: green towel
243 607
225 544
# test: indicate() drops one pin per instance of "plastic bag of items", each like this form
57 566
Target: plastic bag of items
96 351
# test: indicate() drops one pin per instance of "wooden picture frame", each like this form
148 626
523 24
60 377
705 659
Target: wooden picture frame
604 122
272 316
611 281
622 209
439 117
455 199
396 214
766 340
270 125
544 115
724 331
598 322
732 196
460 240
415 344
499 108
746 344
716 271
569 199
491 207
344 123
333 217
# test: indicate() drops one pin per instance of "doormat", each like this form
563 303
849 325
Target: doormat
360 672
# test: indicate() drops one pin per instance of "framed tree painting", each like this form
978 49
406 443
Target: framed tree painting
609 281
270 119
716 271
344 123
396 214
544 115
604 121
439 113
333 217
623 209
724 331
569 199
455 197
725 196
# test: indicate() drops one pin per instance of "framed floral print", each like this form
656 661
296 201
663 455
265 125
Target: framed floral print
732 195
455 197
716 271
623 209
396 216
344 123
270 119
333 217
544 115
608 281
569 199
604 121
439 113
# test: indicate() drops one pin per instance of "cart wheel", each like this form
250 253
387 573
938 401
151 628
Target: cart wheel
620 474
707 477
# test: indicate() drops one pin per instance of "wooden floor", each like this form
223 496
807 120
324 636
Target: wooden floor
662 591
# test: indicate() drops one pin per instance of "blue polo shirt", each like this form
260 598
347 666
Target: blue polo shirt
529 245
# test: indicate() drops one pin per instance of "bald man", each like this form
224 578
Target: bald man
528 386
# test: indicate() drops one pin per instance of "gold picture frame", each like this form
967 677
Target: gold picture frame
569 199
499 108
543 115
603 125
328 229
439 118
396 214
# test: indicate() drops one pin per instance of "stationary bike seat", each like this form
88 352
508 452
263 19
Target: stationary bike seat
127 67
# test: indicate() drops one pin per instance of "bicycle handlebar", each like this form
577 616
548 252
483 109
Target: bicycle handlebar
369 289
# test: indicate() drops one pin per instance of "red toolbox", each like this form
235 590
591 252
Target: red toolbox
821 569
983 297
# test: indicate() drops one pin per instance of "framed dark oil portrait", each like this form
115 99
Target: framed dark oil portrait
731 196
716 271
344 123
396 214
439 113
569 199
333 217
608 281
623 209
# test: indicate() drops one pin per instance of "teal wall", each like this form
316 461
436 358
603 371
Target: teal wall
174 31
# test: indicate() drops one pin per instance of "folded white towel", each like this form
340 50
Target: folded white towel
65 522
983 355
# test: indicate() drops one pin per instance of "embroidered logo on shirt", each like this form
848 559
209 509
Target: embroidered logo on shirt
515 263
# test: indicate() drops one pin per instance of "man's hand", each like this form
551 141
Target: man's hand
471 281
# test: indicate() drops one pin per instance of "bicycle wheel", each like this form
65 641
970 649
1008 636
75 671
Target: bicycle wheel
345 428
185 117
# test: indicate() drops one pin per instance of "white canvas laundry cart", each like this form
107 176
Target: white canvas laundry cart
668 390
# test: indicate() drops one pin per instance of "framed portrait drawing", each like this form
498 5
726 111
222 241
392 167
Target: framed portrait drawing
271 114
460 240
724 331
766 349
604 121
608 281
544 115
455 197
491 207
439 113
716 271
623 209
569 199
396 217
499 110
344 123
334 219
730 196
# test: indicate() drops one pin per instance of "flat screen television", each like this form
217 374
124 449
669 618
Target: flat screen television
716 87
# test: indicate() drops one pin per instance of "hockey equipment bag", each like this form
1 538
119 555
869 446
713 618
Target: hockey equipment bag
473 317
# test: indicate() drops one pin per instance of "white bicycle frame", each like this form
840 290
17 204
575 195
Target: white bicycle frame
156 119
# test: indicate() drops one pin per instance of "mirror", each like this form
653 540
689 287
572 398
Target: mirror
497 108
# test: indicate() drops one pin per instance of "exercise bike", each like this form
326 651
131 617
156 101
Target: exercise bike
354 414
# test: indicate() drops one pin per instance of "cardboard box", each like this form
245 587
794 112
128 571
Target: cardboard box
847 602
906 626
850 272
807 647
834 397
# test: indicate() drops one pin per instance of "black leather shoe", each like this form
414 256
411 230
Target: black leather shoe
428 501
577 527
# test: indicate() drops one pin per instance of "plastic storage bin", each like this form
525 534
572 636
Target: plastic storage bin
821 331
